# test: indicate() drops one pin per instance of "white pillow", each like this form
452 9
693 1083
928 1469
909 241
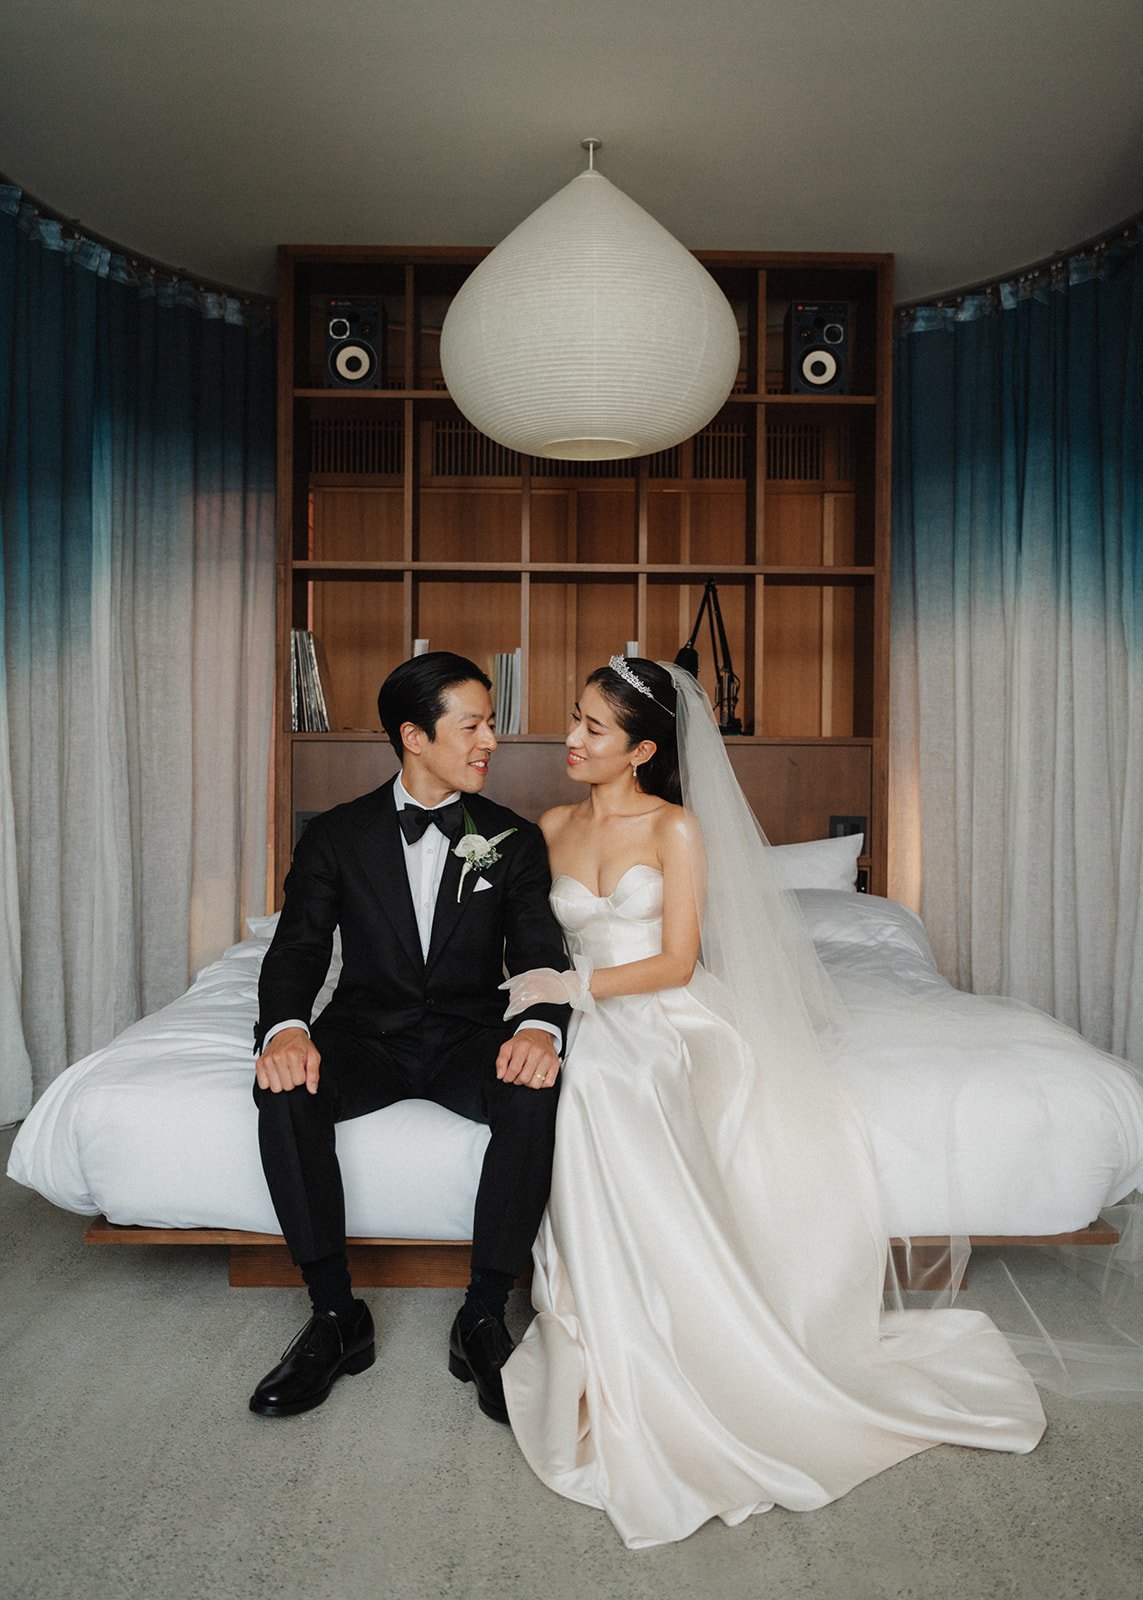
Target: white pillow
865 920
820 864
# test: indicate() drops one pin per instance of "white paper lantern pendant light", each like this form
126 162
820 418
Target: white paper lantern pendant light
589 333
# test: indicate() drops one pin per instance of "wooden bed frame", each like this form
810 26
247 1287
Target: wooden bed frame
261 1260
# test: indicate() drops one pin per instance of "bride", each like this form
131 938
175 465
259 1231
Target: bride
709 1338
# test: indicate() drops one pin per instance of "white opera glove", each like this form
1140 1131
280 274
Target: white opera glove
544 986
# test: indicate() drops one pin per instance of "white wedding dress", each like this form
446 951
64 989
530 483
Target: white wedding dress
709 1338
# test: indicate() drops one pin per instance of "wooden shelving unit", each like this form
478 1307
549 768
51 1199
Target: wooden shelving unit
398 521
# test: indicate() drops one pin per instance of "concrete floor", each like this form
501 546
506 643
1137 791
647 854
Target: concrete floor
130 1467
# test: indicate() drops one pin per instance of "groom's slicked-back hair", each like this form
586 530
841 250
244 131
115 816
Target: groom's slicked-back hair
414 692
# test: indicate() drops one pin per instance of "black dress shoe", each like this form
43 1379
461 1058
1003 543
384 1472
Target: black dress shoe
330 1343
476 1352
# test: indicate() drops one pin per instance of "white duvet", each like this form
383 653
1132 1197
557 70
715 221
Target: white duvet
1024 1129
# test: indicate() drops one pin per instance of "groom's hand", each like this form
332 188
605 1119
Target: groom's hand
529 1058
289 1060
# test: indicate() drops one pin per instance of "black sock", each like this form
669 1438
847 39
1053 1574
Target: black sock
487 1294
328 1282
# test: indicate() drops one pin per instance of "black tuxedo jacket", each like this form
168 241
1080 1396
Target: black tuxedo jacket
349 871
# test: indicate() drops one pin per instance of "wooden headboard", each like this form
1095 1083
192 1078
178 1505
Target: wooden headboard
794 789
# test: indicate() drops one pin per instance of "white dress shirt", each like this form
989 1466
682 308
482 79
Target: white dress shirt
424 864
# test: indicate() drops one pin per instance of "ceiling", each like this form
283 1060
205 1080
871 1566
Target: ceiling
969 139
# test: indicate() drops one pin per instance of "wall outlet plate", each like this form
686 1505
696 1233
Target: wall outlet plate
301 820
840 827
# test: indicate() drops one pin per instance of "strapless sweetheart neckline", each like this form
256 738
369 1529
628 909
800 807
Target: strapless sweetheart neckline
639 866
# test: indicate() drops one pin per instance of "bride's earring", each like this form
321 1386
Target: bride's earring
635 772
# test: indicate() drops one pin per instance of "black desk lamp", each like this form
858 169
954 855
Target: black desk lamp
728 683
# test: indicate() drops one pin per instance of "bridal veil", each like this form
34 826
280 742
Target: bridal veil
823 1198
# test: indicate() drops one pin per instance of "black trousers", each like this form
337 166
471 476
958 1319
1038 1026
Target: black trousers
450 1062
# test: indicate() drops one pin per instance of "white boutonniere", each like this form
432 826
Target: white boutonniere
475 851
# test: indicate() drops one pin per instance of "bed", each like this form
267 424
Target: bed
158 1131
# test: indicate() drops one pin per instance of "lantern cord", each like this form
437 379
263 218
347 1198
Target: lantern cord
591 146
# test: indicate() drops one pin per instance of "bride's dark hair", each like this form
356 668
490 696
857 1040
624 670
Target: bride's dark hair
642 717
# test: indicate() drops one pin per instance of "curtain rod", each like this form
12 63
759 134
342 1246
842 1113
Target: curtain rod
160 269
250 297
1098 241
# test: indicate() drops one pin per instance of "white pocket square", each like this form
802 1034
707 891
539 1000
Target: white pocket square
481 883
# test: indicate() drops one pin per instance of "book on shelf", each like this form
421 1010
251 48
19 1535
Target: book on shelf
308 705
293 683
504 670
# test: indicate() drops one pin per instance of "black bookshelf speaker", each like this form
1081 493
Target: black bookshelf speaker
354 344
817 347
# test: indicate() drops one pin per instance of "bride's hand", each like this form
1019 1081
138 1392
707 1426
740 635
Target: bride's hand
544 986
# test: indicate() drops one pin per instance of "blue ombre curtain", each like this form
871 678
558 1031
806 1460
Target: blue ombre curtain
137 611
1017 776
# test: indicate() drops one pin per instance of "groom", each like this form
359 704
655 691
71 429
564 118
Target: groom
416 1014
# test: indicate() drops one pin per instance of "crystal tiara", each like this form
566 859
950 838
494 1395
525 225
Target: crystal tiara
618 665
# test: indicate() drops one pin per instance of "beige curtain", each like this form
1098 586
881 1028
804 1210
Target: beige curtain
136 498
1017 700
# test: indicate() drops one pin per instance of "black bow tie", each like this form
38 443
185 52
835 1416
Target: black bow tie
415 819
